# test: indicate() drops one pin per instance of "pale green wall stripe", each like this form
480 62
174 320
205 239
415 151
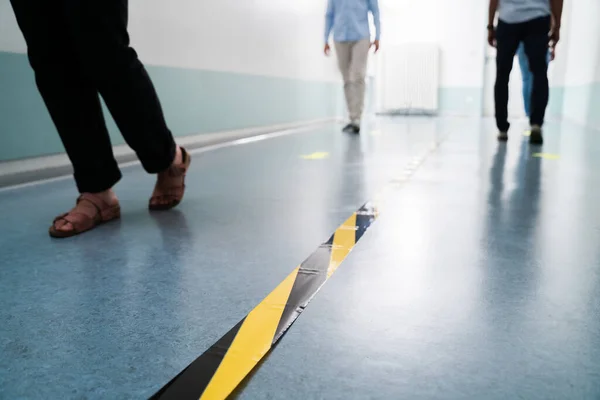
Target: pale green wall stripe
593 119
582 104
462 101
468 101
556 102
194 101
197 101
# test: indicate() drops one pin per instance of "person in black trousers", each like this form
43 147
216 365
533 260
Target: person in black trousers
79 49
529 22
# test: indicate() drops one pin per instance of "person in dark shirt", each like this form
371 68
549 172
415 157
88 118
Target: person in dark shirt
529 22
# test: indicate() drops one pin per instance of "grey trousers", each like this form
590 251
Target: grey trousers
352 61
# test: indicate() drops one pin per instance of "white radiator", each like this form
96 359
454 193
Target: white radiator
408 79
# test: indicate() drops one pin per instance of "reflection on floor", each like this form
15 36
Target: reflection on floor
481 278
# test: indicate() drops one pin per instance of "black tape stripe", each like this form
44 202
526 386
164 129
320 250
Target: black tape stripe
364 218
191 382
312 275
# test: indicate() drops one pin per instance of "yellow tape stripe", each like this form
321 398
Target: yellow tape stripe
344 240
547 156
219 370
251 343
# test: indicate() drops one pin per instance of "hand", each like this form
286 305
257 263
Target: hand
492 37
376 45
327 49
555 36
552 53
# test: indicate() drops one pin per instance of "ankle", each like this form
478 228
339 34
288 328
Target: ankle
178 156
108 196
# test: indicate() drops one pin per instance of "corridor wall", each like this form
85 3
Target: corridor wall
582 72
217 65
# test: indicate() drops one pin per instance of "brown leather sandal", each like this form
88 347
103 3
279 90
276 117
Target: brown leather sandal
171 185
99 212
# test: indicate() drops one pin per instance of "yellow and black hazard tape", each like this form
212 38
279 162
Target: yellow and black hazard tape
220 369
217 372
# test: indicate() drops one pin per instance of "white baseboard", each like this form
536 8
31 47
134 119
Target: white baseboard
29 170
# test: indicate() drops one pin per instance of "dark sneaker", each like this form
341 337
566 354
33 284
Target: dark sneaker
502 136
351 128
536 135
348 128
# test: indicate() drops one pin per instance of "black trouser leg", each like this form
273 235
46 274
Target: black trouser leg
507 39
70 97
77 49
100 31
536 47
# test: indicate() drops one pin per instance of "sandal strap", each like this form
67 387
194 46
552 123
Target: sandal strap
179 170
94 200
174 190
81 220
170 184
59 217
78 223
165 196
72 217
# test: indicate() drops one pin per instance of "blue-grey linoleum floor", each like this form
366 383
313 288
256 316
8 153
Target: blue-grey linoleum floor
481 278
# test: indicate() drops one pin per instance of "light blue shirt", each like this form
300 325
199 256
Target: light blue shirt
517 11
349 20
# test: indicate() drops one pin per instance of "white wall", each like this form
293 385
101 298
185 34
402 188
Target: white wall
582 62
10 35
457 26
248 63
597 79
558 74
583 42
264 37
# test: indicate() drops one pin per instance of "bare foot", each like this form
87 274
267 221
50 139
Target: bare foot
86 209
170 184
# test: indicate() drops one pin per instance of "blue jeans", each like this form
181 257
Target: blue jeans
527 77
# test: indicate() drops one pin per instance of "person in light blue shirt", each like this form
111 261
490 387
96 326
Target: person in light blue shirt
349 22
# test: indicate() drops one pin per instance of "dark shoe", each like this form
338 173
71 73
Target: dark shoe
503 136
355 128
347 128
536 135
